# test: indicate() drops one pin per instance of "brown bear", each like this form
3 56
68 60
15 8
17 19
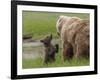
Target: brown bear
74 33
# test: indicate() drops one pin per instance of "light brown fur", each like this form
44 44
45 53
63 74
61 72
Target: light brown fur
74 33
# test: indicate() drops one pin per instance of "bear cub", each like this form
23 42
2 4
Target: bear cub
50 49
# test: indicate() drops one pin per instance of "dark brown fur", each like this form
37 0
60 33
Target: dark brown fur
50 49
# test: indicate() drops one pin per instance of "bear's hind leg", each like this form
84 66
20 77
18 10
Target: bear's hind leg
67 51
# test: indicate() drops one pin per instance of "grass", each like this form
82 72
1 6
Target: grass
40 24
38 63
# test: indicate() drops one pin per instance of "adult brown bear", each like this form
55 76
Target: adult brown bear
74 33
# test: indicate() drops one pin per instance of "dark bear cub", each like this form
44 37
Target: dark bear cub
50 49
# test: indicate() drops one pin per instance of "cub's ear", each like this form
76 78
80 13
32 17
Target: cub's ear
50 36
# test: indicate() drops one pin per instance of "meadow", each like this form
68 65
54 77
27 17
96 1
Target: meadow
40 24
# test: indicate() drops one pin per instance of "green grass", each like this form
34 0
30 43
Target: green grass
40 24
38 63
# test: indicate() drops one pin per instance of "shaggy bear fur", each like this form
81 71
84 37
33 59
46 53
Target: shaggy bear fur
50 49
74 33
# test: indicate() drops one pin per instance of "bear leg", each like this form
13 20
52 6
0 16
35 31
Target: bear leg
67 51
